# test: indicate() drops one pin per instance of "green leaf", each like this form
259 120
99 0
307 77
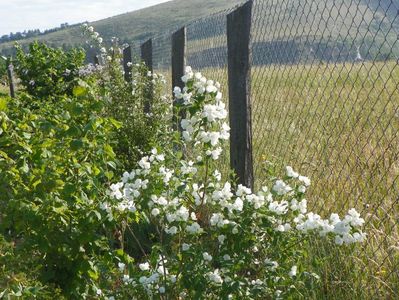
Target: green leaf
116 123
93 274
79 91
25 168
37 182
76 144
112 164
3 104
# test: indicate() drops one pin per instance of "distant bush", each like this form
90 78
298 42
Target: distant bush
139 104
47 72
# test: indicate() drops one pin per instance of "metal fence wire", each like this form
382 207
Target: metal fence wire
325 100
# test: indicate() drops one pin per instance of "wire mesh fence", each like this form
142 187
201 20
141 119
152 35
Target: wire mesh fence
325 100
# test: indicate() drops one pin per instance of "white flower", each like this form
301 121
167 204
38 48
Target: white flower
121 266
126 278
305 180
144 163
155 212
272 265
221 238
279 208
215 277
207 256
214 153
172 230
185 246
291 172
302 189
293 271
162 290
144 266
238 204
353 217
198 75
194 228
281 188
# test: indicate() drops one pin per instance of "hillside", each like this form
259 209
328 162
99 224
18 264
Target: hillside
137 25
283 32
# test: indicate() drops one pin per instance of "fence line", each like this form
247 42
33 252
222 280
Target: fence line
314 84
10 74
319 82
179 40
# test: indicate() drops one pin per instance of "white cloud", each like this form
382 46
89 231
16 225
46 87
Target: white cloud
20 15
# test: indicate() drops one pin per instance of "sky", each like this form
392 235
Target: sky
20 15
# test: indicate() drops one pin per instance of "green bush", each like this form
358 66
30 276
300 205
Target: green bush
47 72
55 161
138 104
18 276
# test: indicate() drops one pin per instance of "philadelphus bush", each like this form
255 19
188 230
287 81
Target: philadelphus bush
216 240
128 102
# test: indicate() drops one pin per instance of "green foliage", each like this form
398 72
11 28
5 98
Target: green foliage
18 276
3 68
138 129
55 161
48 72
139 105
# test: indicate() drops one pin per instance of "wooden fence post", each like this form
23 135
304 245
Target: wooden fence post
239 75
146 56
10 73
127 58
96 60
179 39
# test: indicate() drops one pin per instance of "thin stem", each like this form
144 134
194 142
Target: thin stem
137 240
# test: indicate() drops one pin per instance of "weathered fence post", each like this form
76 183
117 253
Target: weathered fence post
127 60
10 73
146 56
179 39
239 75
96 60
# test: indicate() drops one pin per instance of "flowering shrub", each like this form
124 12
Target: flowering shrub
139 105
215 239
47 72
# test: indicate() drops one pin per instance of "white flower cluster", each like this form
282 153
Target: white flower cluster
93 34
203 218
89 69
213 113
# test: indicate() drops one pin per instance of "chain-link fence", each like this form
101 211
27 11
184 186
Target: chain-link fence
325 100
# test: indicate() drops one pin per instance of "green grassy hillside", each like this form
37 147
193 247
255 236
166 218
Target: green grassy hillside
138 25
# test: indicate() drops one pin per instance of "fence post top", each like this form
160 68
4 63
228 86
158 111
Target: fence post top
246 5
147 41
180 30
